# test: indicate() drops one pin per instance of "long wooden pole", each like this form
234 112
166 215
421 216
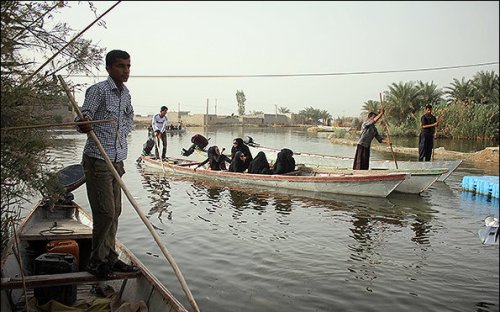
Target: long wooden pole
133 202
64 124
388 134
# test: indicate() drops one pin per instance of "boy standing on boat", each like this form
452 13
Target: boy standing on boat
159 124
109 99
368 132
426 138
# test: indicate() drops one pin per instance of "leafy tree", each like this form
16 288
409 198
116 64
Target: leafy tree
460 91
428 93
28 38
283 110
240 99
486 85
370 106
325 116
313 116
402 100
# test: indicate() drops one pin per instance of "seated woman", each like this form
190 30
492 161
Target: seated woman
284 162
238 162
239 145
216 160
259 164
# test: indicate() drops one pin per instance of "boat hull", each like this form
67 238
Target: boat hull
419 181
359 184
78 226
347 162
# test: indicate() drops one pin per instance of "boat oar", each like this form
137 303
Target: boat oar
132 201
388 134
434 143
157 146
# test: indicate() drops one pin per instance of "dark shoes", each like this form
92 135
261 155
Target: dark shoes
100 270
121 266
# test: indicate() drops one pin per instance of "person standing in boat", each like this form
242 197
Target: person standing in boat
239 145
368 132
108 99
159 123
426 138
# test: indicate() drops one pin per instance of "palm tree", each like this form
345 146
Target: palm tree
486 86
402 101
283 110
460 91
370 106
429 93
325 116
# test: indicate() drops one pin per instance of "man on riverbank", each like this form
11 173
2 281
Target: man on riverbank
426 138
368 132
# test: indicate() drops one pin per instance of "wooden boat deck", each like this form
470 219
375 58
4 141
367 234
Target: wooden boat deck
46 280
61 229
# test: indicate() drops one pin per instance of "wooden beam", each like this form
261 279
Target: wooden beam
47 280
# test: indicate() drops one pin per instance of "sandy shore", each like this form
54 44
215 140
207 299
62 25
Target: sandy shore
488 155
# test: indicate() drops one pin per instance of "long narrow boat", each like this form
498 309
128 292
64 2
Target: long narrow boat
32 275
374 184
347 162
419 181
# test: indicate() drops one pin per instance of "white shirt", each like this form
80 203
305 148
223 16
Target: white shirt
159 123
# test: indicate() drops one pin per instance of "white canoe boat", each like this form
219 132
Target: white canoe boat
419 181
32 276
374 184
347 162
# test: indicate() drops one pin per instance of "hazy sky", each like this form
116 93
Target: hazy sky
264 38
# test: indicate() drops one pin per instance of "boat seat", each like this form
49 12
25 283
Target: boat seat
32 281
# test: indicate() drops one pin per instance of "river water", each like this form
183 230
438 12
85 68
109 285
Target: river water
249 250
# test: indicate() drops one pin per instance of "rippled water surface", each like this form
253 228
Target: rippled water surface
241 249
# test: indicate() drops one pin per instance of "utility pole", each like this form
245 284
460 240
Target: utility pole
206 117
275 113
215 106
179 110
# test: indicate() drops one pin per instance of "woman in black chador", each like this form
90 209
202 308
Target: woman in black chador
239 145
259 164
216 160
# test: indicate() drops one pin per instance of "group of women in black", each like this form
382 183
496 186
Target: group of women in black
241 160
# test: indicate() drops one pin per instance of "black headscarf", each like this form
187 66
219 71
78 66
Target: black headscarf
237 164
284 162
216 160
240 146
259 164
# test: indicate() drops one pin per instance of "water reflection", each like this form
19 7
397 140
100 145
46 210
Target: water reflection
159 188
374 227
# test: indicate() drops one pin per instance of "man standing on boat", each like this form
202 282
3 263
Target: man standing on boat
426 138
108 99
159 124
368 132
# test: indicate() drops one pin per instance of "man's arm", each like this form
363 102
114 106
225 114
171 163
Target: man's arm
430 125
382 111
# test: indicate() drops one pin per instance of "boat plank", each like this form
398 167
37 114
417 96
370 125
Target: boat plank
64 229
46 280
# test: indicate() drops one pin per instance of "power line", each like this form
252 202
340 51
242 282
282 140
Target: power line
310 74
